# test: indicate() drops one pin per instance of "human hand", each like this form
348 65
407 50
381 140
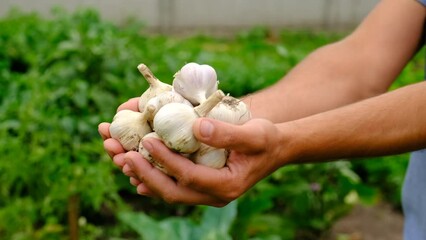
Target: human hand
255 153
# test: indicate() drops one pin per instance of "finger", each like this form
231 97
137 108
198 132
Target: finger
128 171
243 138
134 181
103 129
164 186
131 104
214 182
142 189
119 160
113 147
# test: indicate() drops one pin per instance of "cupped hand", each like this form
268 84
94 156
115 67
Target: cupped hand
255 152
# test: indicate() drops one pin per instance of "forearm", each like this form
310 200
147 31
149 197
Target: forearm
326 79
362 65
391 123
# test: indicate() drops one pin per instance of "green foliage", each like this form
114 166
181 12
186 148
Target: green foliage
306 199
52 101
215 223
60 77
386 173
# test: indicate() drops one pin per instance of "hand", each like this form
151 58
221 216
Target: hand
255 153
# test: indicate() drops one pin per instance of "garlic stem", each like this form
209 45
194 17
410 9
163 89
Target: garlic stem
206 106
148 75
156 86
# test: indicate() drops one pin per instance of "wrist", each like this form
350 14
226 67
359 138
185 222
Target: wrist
290 145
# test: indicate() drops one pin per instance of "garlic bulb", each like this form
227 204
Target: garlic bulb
210 156
195 82
230 110
155 86
128 127
173 123
145 154
157 102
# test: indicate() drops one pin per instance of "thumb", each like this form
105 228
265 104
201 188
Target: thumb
242 138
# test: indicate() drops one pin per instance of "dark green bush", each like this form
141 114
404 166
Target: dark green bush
60 77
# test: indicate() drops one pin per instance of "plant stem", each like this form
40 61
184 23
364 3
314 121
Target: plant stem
73 209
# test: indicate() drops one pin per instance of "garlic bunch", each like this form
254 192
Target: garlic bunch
173 123
230 110
195 82
155 86
168 113
128 127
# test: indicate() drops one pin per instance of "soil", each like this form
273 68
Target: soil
379 222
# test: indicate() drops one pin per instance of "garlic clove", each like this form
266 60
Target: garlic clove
195 82
210 156
230 110
128 127
155 86
145 154
173 123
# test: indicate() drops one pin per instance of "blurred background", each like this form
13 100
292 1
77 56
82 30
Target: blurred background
65 66
219 16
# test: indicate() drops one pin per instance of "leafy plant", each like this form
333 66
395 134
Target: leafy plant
215 223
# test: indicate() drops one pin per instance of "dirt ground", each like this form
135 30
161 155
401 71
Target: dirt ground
379 222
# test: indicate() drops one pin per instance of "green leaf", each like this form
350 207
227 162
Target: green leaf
145 226
178 228
218 221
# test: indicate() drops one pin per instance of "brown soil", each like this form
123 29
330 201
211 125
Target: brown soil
379 222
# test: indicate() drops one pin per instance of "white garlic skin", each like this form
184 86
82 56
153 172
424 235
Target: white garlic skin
145 154
230 110
210 156
154 104
128 127
156 87
195 82
173 123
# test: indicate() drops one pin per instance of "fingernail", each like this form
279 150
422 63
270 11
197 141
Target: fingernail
206 128
119 160
129 162
141 190
126 168
147 146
